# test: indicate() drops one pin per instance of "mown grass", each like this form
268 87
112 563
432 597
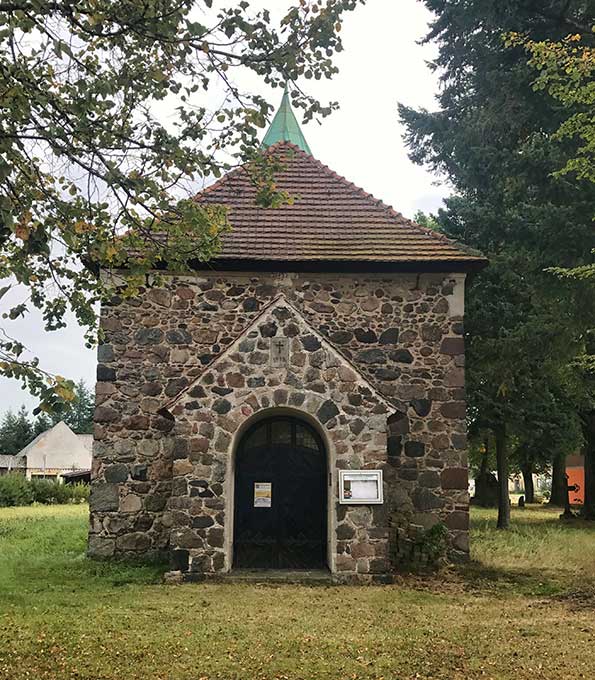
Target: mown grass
523 609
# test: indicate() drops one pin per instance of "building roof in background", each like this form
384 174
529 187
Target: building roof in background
285 127
330 219
40 437
77 475
55 429
8 461
57 448
86 440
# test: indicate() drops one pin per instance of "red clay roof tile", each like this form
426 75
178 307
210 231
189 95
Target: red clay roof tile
331 219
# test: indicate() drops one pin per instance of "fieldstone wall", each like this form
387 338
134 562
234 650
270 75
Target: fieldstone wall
314 380
163 484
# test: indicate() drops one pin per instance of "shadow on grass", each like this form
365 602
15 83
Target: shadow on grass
478 578
540 555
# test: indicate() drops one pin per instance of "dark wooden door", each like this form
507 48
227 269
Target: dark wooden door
289 530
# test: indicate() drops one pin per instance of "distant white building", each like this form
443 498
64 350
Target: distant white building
55 452
9 463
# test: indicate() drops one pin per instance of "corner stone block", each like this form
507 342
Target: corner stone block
459 441
105 373
458 520
461 542
105 353
452 346
453 409
100 546
104 497
116 474
455 377
105 414
454 478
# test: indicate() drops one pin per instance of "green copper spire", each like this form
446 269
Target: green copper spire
285 127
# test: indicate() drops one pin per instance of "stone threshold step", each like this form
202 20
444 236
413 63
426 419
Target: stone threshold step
309 577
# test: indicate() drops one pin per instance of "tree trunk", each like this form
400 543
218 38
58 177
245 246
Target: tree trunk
481 482
559 483
588 511
483 469
527 471
502 465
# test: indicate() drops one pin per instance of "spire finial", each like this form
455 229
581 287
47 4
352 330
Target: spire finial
285 126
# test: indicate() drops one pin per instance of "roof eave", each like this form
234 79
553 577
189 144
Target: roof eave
341 265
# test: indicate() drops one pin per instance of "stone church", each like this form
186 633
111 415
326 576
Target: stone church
297 403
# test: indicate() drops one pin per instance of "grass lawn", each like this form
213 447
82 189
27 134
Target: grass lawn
523 609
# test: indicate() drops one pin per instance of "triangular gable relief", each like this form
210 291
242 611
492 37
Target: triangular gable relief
280 339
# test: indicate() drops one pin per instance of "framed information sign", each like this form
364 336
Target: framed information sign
360 487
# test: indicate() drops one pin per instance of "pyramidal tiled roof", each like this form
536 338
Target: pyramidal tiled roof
330 219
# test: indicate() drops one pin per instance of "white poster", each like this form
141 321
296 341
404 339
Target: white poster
364 488
263 494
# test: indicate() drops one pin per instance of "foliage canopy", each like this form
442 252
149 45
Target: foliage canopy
106 122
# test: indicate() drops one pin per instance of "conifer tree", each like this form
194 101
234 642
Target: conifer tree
79 415
92 177
16 431
493 136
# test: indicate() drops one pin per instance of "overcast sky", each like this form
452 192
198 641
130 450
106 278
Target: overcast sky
382 65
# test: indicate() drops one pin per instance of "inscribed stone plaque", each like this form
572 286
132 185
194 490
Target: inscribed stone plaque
279 351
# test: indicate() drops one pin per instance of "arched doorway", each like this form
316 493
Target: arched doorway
280 503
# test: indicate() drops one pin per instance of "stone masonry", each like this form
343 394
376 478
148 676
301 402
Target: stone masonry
376 364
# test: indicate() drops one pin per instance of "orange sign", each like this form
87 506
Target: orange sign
576 475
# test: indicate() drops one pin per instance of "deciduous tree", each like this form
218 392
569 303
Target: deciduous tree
107 122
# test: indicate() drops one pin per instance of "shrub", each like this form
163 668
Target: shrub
15 489
421 550
79 493
49 492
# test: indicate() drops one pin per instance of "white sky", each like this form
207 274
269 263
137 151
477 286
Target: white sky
382 64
